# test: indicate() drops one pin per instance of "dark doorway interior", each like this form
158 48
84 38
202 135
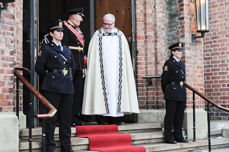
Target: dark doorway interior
53 9
26 53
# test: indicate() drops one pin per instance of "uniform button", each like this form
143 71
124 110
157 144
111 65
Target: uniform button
64 68
176 71
174 88
64 62
53 77
55 57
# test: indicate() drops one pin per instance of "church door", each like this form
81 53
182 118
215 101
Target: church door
121 9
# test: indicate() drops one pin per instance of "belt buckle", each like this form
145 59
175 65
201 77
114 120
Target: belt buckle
181 83
65 72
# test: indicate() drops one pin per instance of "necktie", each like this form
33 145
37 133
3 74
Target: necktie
59 47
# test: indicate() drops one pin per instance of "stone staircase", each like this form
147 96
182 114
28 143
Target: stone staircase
143 134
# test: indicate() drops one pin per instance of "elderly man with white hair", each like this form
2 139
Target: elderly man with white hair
110 89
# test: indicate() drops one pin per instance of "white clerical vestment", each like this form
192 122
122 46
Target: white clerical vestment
109 86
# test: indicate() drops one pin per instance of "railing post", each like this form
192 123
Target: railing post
43 136
194 118
17 97
209 129
30 125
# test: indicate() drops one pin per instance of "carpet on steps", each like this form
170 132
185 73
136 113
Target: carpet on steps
105 138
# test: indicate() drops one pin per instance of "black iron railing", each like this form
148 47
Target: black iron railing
41 98
209 101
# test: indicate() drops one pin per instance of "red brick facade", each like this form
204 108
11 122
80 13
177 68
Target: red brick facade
159 23
216 56
10 53
151 50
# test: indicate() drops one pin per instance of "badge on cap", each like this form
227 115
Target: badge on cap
166 68
61 24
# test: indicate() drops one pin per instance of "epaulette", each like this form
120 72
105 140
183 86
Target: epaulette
51 44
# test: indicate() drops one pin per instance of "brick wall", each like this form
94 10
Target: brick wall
216 57
193 55
151 48
10 53
159 24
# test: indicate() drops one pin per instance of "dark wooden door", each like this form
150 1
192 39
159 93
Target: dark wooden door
121 9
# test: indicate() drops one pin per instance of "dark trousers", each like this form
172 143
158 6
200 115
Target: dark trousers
63 104
174 117
78 96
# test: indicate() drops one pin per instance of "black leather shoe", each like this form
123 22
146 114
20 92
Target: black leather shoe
182 140
170 141
102 123
78 123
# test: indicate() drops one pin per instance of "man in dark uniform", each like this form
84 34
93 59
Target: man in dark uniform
74 39
172 81
54 66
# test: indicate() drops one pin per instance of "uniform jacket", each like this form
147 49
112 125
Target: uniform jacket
172 80
49 66
70 39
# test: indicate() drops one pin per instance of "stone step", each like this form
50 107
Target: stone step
198 146
36 132
125 128
138 127
147 137
36 144
143 134
187 147
82 143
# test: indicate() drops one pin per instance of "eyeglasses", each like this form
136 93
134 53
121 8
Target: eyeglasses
109 24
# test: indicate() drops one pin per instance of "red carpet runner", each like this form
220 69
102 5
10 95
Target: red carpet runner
105 138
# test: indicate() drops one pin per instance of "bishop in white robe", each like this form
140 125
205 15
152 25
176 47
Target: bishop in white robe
109 85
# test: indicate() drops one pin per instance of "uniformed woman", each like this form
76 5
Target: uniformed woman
54 66
172 81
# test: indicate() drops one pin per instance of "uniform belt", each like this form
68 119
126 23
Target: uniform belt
62 71
75 48
181 83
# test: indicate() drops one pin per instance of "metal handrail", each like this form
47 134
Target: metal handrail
149 80
209 101
53 110
206 98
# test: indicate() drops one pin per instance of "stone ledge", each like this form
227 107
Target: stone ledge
201 123
151 115
9 131
225 132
